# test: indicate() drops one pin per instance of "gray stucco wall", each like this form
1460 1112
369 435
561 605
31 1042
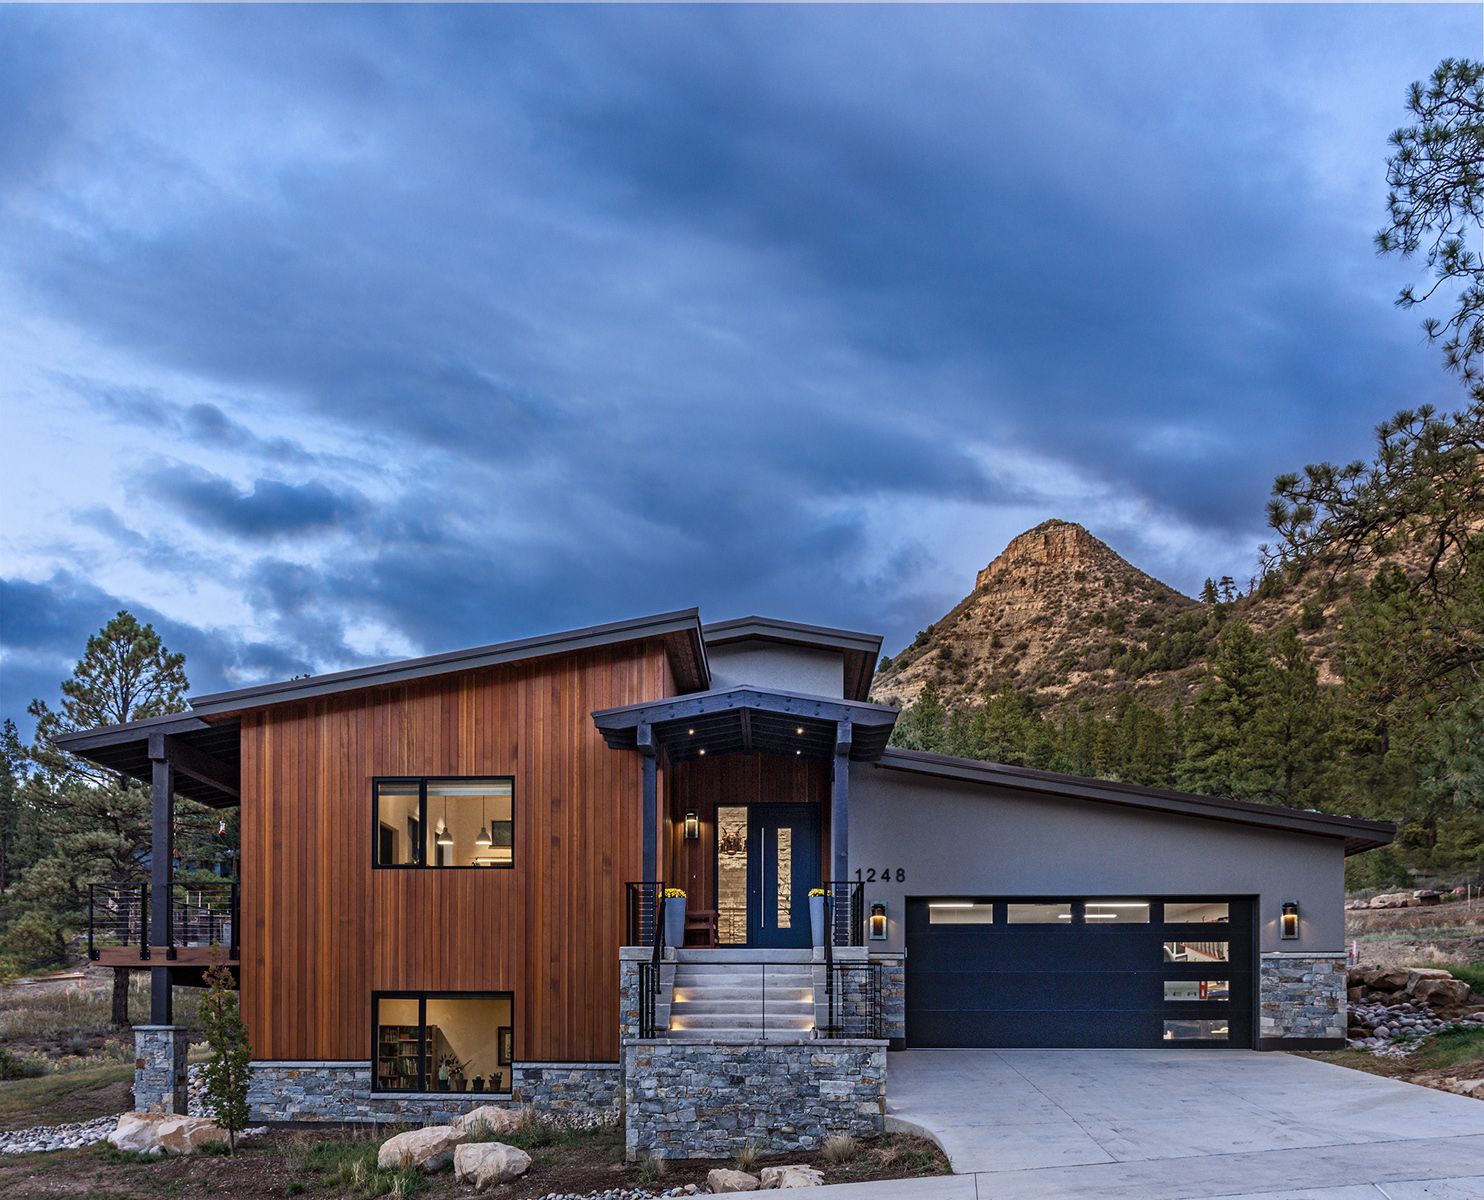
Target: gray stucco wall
958 838
784 668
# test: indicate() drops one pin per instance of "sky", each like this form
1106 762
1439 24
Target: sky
334 335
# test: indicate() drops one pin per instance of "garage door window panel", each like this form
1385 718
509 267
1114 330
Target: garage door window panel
1056 913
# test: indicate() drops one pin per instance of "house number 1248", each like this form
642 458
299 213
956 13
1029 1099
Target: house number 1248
887 875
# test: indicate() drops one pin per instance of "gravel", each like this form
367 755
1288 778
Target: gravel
1393 1029
56 1137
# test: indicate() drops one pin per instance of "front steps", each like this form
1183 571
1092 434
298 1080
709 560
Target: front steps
742 995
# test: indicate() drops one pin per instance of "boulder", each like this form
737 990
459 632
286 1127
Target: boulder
1360 977
489 1118
1426 896
1392 979
1440 993
720 1179
431 1148
1393 900
794 1175
1357 903
486 1164
164 1133
1416 973
1355 995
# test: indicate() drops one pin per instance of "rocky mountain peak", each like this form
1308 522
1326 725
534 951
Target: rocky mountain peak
1051 542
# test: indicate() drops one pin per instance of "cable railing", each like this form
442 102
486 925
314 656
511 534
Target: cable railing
201 915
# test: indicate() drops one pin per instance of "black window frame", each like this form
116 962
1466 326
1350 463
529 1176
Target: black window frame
422 999
422 782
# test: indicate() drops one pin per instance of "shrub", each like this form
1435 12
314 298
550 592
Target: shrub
228 1066
746 1159
20 1066
652 1169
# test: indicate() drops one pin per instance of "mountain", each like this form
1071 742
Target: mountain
1063 616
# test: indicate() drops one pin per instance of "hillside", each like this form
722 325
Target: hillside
1062 615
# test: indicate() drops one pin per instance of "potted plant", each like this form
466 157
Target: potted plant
674 916
817 923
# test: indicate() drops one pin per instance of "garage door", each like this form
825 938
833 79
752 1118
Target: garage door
1104 971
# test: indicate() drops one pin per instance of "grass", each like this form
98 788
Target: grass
1449 1049
46 1095
1473 975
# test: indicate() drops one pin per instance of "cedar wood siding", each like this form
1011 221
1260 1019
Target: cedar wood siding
322 929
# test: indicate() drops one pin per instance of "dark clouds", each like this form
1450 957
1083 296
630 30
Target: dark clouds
383 330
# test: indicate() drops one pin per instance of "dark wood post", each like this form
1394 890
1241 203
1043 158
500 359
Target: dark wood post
161 877
645 738
840 805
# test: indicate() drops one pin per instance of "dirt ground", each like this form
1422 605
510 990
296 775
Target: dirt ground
1443 935
322 1162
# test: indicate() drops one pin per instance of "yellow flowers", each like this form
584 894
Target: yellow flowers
674 894
817 892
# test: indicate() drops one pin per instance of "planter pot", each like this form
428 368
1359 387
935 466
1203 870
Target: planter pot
675 923
817 923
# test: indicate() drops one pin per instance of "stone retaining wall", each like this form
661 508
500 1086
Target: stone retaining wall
341 1091
710 1099
893 998
1301 995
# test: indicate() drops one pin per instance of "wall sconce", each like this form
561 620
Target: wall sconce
692 825
878 921
1288 923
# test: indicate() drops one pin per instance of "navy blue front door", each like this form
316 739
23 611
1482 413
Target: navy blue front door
782 865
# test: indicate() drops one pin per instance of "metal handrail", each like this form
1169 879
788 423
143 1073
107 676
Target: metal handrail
862 981
205 914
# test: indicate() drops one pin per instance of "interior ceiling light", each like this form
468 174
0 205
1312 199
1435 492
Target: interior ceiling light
484 841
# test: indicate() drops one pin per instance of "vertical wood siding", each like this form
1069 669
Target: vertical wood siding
322 929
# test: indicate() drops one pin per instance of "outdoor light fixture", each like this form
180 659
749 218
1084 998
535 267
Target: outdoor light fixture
692 825
799 730
878 920
1288 927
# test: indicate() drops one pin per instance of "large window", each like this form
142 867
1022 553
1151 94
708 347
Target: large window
444 822
443 1042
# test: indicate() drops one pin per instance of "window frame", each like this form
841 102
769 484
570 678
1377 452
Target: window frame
422 999
422 782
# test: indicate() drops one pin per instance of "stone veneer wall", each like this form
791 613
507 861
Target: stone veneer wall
160 1068
1302 995
893 998
341 1091
709 1099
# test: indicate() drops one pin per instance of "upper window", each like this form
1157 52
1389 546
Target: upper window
444 822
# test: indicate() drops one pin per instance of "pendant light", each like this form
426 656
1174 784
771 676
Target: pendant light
484 841
444 837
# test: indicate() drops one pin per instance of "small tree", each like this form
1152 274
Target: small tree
229 1065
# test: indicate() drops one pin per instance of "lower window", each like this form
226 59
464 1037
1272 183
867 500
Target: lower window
1197 1031
443 1042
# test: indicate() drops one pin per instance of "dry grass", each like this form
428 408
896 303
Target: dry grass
746 1159
841 1148
1442 935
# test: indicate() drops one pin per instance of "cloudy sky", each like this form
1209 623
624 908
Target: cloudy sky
334 335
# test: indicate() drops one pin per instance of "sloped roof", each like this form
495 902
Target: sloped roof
1357 833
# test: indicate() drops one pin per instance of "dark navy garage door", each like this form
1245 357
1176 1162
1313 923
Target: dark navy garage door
1103 971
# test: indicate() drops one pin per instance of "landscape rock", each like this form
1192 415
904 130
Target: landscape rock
1392 979
164 1133
1393 900
1440 993
1427 897
1357 903
720 1179
1361 977
431 1148
486 1164
792 1175
70 1136
490 1118
1416 973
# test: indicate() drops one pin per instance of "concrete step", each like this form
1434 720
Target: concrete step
686 1008
752 978
740 1035
736 1020
739 957
692 995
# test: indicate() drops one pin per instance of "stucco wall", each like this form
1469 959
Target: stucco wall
783 668
949 838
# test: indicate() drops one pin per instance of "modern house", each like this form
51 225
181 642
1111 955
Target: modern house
451 870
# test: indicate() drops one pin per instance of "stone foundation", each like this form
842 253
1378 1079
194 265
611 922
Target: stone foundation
1301 997
710 1099
160 1068
341 1091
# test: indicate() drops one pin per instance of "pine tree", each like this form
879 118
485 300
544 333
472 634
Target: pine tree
1295 725
96 823
1224 750
1208 592
924 726
227 1070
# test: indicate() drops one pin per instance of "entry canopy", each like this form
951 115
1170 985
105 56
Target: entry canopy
747 720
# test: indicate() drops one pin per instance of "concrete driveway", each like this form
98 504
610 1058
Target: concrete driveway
1174 1125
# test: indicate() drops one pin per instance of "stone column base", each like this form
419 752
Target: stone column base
160 1068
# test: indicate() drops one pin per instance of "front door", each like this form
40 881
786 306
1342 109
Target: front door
782 865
